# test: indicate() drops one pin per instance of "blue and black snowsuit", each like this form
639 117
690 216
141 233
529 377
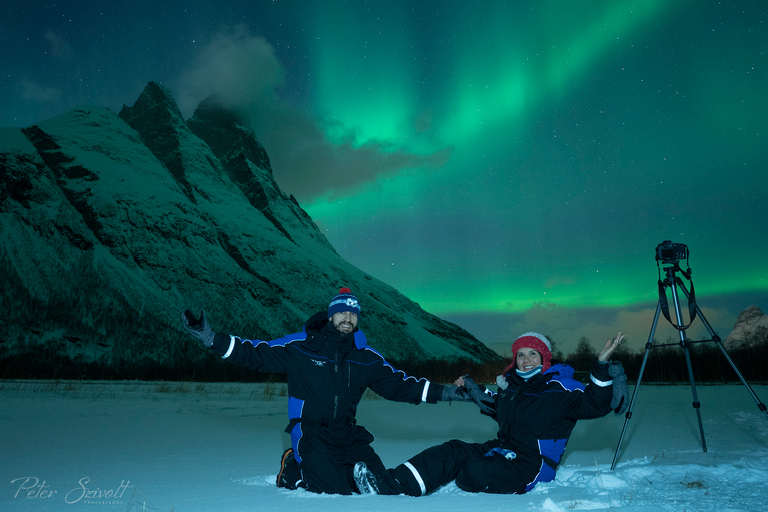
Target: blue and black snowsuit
535 421
328 372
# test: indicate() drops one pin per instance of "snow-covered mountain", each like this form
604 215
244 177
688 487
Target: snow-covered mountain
749 330
111 225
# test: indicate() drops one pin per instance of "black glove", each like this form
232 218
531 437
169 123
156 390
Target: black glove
456 393
198 327
481 398
620 400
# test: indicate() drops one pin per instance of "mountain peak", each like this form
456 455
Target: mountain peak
154 97
213 111
157 118
224 131
749 330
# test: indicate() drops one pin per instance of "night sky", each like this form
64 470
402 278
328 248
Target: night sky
509 165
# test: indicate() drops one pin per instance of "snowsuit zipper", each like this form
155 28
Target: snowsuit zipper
337 378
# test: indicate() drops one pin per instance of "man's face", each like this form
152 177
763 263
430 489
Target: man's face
345 322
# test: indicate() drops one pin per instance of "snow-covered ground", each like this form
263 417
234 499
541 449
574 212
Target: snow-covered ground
71 446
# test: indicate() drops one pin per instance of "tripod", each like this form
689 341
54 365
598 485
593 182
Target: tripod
673 282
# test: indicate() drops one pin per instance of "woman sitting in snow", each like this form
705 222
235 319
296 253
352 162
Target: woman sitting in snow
537 406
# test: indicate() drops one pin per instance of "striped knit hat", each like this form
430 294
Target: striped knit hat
344 301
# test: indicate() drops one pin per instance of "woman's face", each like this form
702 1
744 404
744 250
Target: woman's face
527 359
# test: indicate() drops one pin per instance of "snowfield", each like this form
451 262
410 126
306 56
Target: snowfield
134 446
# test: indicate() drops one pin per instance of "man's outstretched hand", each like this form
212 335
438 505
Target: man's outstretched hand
482 399
198 327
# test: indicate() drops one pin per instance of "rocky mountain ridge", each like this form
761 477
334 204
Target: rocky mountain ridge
110 225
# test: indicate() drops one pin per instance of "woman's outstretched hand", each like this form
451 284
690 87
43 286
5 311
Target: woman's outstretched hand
609 347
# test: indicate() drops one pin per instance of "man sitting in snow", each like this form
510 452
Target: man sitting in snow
329 366
537 406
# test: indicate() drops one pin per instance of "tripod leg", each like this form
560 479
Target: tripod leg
760 405
684 344
719 343
696 403
628 416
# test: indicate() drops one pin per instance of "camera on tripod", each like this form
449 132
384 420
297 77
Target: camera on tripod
669 252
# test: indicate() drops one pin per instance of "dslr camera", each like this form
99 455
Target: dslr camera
669 252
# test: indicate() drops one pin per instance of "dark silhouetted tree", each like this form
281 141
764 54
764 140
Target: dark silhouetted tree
557 354
585 354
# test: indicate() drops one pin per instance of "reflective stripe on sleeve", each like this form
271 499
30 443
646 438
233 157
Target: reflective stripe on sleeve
231 347
601 383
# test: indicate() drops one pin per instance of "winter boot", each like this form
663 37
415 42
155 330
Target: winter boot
365 480
289 475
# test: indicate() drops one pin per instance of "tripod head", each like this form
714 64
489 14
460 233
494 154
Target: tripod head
673 268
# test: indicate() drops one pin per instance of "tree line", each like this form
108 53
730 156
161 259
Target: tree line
665 363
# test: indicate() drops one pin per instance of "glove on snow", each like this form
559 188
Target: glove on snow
482 399
620 400
456 393
198 327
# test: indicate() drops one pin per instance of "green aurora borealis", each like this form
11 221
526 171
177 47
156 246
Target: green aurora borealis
580 140
510 166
